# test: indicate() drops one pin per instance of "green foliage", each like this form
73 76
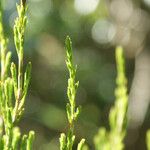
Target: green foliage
148 139
15 85
20 79
67 141
107 140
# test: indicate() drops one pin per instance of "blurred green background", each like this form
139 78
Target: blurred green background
96 27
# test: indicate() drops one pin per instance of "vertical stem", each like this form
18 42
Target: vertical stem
19 29
3 45
20 74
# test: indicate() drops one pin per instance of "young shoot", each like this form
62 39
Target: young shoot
67 141
107 140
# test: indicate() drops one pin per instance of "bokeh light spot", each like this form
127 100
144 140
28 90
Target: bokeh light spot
103 31
85 7
147 2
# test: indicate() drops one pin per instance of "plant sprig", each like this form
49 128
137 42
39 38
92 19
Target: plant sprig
107 140
14 85
21 80
67 141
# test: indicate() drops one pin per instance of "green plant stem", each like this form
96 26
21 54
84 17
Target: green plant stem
19 31
3 41
107 140
10 136
66 142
